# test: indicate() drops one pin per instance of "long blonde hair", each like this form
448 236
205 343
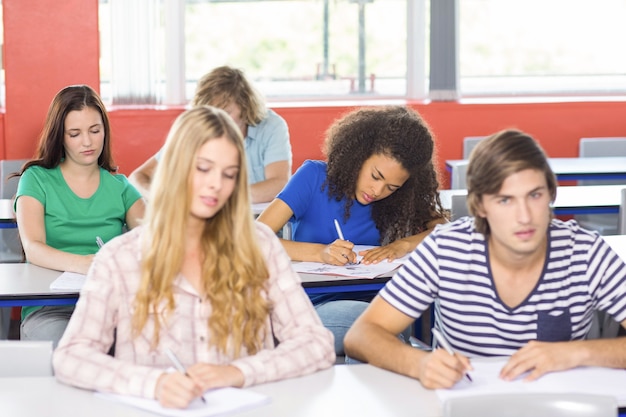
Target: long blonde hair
234 273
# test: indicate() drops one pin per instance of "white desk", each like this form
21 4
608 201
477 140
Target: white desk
595 168
24 284
343 390
575 199
7 215
355 390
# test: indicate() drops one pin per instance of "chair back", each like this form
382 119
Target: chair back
8 187
458 176
458 206
621 221
10 244
468 144
531 405
25 358
605 224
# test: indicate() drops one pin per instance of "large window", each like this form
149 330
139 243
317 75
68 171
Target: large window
364 49
293 49
302 47
542 47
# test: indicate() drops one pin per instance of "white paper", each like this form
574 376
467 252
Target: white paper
354 270
219 402
587 380
68 281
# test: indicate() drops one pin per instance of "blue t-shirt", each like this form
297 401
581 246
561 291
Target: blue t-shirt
314 211
266 143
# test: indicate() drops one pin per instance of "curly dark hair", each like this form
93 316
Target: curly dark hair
397 132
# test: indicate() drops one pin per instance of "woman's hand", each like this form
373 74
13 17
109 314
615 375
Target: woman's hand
177 390
391 252
338 253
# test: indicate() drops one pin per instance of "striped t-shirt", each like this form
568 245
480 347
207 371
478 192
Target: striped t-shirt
451 268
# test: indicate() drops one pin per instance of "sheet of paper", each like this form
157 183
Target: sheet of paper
218 402
590 380
68 281
355 270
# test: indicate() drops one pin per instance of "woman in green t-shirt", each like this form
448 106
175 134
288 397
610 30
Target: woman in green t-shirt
68 196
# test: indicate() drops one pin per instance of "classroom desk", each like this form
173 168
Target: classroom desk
24 284
565 169
343 390
575 199
355 390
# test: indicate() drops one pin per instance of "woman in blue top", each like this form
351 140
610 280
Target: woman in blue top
379 182
68 196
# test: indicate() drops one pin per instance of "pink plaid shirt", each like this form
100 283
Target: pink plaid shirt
106 304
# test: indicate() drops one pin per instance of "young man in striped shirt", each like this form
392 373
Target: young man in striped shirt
509 281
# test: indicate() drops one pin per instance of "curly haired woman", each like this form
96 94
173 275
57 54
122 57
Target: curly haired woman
199 278
379 182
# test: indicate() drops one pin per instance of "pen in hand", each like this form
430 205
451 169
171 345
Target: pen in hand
179 366
340 234
99 242
444 344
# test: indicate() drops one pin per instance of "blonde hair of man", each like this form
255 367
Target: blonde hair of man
234 270
225 85
497 157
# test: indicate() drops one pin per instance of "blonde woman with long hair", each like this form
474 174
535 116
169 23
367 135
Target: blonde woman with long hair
199 278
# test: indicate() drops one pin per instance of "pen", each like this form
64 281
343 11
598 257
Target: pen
99 242
444 344
339 232
179 366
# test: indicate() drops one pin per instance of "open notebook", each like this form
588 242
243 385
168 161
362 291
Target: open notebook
357 270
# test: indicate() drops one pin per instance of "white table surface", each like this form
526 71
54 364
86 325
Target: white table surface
574 197
23 281
343 390
577 168
6 210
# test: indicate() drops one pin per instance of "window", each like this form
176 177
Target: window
538 47
306 48
364 49
290 48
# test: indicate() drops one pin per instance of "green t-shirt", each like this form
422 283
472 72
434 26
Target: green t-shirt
72 223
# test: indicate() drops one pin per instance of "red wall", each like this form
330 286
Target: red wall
50 44
558 126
